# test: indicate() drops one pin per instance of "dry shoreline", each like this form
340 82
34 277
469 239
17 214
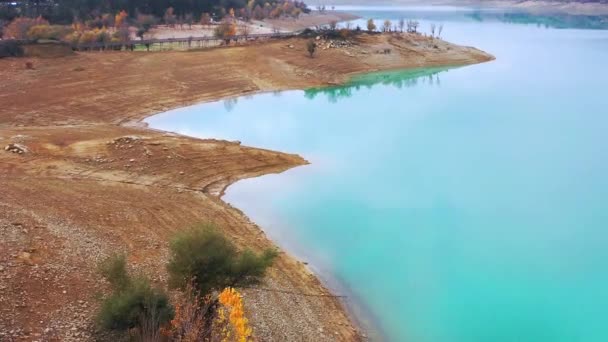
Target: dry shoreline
90 185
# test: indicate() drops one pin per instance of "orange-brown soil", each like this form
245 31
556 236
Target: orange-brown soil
92 181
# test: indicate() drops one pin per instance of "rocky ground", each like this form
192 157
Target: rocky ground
81 178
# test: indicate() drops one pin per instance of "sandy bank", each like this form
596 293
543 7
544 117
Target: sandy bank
89 185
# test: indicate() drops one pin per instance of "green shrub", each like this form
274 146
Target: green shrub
213 262
133 302
114 269
138 305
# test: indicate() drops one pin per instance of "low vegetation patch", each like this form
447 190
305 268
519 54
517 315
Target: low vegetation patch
207 267
212 262
133 303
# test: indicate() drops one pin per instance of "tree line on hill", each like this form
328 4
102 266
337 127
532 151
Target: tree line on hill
68 11
93 21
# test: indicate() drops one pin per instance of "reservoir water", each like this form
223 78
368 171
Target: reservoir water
466 204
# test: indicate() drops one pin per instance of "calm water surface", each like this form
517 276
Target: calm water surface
468 204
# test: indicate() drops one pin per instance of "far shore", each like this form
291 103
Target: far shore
310 20
266 26
93 181
540 6
532 6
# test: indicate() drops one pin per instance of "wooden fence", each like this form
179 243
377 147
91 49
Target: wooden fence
173 43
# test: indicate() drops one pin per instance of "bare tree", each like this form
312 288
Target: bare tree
401 24
150 322
433 26
189 20
440 30
333 24
205 19
412 26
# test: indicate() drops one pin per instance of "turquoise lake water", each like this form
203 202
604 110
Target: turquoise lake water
468 204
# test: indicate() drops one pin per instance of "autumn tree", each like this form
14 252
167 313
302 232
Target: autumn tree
226 29
19 27
296 12
386 27
53 32
205 19
170 18
311 47
100 21
371 26
63 11
189 322
236 324
120 18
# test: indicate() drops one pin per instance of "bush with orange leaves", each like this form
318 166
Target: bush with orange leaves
120 18
189 323
19 27
236 328
209 319
54 32
226 29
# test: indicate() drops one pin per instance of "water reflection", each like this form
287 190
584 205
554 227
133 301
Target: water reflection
230 103
561 21
404 79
